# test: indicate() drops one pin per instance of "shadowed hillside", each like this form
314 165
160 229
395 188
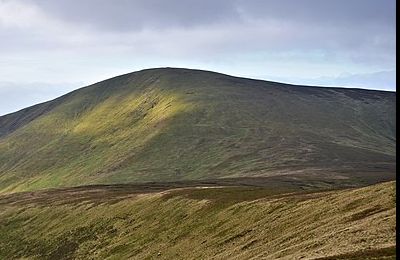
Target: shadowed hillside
179 124
139 222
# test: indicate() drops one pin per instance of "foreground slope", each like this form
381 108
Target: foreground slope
178 124
129 222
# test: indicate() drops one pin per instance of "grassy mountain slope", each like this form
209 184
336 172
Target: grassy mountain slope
128 222
179 124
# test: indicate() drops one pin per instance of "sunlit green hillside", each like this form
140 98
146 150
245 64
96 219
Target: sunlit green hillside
178 124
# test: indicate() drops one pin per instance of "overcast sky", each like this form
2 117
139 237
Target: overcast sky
49 47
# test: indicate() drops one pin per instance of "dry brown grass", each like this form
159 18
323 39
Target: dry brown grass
192 223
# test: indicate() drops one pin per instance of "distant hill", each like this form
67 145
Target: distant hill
172 124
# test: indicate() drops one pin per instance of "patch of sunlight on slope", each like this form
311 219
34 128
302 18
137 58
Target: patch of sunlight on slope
93 142
118 118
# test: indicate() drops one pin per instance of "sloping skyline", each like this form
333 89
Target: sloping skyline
49 48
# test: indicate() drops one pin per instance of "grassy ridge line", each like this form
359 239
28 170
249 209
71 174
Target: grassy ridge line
193 223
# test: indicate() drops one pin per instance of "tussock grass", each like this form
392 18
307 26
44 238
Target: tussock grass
199 223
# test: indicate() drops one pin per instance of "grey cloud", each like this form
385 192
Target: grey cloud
223 27
337 12
134 14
